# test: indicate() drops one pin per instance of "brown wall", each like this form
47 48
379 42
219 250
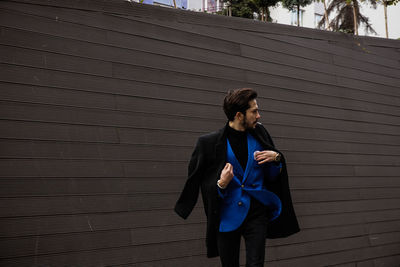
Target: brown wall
102 102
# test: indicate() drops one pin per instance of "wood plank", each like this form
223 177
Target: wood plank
364 186
39 59
341 257
88 186
348 48
72 97
65 243
163 106
56 150
282 135
286 132
41 206
314 208
321 182
59 243
333 232
328 112
62 205
61 224
25 130
123 75
103 86
140 252
57 131
56 96
366 66
60 168
374 79
318 152
342 194
98 22
392 260
331 148
104 117
99 84
334 89
325 67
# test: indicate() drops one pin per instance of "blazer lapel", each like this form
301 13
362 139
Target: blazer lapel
250 156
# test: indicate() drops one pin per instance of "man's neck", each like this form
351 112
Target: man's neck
237 126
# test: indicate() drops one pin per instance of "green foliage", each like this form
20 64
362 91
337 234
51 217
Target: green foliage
295 4
265 3
241 8
392 2
247 8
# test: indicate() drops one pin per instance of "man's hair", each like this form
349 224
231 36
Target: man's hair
237 100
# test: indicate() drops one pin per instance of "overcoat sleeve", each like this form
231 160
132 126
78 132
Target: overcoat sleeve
190 193
286 224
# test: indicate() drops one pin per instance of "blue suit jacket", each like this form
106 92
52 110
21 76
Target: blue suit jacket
246 184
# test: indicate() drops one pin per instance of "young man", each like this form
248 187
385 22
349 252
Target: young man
244 185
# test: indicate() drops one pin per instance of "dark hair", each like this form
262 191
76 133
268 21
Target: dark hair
238 101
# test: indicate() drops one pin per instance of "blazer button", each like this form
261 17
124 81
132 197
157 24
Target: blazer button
240 203
242 185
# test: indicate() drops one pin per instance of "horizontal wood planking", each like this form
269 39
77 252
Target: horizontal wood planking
97 239
62 224
61 113
82 157
358 76
69 205
349 249
284 135
303 188
327 152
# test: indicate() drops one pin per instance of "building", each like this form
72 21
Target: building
312 14
309 15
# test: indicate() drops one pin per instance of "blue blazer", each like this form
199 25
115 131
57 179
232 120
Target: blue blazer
246 184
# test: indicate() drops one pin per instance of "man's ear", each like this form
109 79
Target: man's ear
239 116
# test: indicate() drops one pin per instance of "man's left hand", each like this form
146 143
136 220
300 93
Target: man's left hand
265 156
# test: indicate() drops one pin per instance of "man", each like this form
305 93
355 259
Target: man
244 185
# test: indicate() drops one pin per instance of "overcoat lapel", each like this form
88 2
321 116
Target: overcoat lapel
264 142
220 148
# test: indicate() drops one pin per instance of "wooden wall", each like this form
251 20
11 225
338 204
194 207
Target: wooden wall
102 103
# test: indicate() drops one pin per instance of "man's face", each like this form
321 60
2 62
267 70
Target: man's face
252 116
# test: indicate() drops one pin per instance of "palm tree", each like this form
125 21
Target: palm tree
387 3
325 18
348 17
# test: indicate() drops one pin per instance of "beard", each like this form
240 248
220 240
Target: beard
248 124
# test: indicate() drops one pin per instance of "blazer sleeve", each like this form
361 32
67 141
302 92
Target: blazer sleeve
190 192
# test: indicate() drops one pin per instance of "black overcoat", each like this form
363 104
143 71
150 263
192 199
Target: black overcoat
205 166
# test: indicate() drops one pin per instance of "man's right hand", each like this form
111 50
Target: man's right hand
226 175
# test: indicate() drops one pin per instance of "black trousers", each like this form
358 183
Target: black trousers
254 231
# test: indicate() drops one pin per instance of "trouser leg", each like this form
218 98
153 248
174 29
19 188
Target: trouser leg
254 233
229 248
